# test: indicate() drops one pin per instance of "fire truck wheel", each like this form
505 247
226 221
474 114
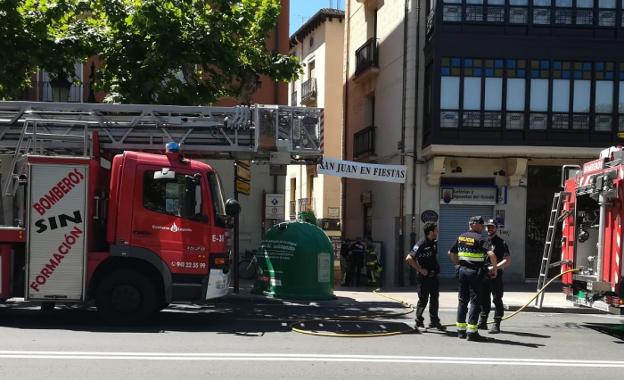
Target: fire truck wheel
126 296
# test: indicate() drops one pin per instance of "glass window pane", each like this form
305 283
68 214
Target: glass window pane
515 94
450 2
539 95
493 94
472 93
474 1
496 2
606 4
449 93
541 16
604 96
541 3
582 92
561 95
452 13
606 18
621 102
518 15
584 3
518 2
563 3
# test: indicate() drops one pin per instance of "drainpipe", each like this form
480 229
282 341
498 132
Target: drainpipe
416 158
345 118
401 246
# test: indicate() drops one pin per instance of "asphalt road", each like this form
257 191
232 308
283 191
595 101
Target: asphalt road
242 337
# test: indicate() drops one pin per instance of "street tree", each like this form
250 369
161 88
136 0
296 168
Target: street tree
50 35
187 51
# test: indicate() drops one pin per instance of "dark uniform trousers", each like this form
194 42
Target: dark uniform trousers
428 288
470 282
493 286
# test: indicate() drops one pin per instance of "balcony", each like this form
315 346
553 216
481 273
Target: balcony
364 143
366 65
308 91
371 4
41 91
293 99
293 210
305 204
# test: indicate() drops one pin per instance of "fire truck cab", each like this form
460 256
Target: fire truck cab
591 241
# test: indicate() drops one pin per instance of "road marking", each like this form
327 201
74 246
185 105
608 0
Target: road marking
184 356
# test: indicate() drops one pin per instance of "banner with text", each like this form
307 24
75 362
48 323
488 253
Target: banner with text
362 170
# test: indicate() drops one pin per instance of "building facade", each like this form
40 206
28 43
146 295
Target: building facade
319 45
508 91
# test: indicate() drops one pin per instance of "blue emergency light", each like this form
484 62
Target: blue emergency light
172 147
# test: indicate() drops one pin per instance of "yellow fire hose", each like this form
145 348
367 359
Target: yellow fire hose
302 330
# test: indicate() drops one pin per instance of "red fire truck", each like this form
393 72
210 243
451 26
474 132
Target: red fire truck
98 213
592 210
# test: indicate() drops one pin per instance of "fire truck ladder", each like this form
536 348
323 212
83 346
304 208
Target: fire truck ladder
264 133
556 217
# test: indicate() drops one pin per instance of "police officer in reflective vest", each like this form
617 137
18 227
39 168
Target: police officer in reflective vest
470 252
494 286
424 259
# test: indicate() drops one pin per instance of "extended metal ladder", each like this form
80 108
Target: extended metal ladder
265 133
556 217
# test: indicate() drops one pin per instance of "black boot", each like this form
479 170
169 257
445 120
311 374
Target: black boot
495 329
461 334
475 337
482 322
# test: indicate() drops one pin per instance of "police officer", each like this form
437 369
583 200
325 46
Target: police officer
424 259
470 252
494 286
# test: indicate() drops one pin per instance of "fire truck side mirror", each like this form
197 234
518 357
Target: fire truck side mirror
567 172
232 207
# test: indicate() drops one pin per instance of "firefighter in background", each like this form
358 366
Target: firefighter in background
424 259
373 266
357 250
470 252
494 286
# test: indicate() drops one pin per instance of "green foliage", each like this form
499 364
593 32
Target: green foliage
153 51
48 34
188 51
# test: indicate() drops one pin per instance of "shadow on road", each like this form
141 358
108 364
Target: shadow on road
242 316
616 330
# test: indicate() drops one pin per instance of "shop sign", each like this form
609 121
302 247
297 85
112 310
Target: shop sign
467 195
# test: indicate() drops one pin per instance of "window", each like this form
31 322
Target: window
584 17
452 13
515 94
496 14
171 196
563 3
493 94
541 16
541 3
561 95
621 98
604 74
449 93
518 15
474 13
539 95
496 2
472 93
519 2
563 16
582 89
584 3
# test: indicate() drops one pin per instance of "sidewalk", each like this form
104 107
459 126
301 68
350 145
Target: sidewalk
516 295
